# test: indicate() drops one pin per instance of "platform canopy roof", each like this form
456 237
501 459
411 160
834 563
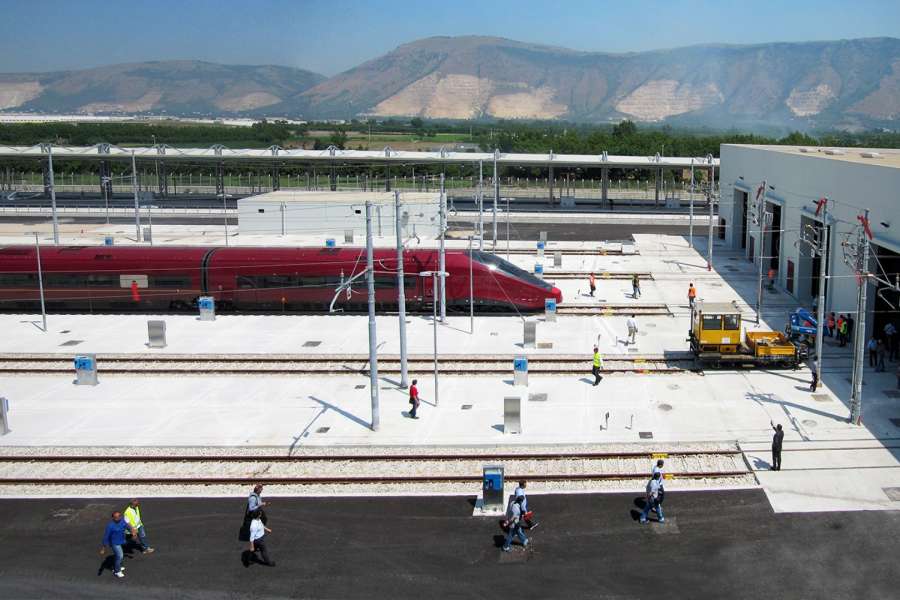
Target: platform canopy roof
332 154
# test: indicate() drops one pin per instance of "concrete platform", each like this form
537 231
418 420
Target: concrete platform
713 545
281 411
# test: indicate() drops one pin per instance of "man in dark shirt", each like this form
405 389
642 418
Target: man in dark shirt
776 446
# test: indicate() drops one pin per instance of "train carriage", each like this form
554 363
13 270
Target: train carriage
254 279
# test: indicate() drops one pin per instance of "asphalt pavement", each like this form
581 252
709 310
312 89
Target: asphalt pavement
724 544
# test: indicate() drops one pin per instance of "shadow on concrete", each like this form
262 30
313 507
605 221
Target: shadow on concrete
340 411
760 398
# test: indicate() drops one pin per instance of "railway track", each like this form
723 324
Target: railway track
555 275
361 470
612 310
300 364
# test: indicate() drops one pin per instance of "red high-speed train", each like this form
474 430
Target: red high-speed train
169 278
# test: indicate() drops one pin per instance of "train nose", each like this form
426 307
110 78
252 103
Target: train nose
557 294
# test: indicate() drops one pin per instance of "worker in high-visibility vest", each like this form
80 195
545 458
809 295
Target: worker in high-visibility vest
692 294
598 364
132 516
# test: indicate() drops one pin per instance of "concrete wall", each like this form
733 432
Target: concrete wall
798 181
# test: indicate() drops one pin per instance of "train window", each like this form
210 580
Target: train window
314 281
731 322
95 280
16 279
508 268
712 322
170 281
245 283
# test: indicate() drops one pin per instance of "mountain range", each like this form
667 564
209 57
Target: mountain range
846 84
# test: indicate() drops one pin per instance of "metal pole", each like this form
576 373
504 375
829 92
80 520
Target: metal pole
150 220
860 332
373 336
37 248
507 229
52 194
761 215
106 196
494 203
434 277
282 217
401 293
471 291
480 206
823 277
691 219
137 212
709 199
225 217
442 209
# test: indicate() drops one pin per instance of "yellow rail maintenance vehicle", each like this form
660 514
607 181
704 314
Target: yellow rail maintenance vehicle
717 339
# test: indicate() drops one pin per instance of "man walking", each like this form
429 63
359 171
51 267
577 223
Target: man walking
880 352
635 286
138 534
593 284
527 515
692 294
514 524
632 329
598 364
653 499
258 532
872 346
114 537
829 325
414 399
658 468
776 446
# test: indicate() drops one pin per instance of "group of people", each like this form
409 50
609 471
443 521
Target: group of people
883 348
840 327
114 536
635 285
126 529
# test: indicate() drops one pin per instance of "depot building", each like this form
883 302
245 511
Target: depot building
796 178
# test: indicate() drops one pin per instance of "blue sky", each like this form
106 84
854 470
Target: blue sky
332 36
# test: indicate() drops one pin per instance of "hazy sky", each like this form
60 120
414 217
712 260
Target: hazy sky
334 35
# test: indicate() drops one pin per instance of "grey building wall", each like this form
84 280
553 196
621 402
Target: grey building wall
796 180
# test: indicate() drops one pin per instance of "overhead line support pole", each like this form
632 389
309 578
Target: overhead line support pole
442 252
496 199
53 195
373 334
401 293
709 200
823 279
859 330
137 211
760 247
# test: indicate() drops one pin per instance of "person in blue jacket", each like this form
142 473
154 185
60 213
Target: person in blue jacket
114 537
